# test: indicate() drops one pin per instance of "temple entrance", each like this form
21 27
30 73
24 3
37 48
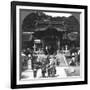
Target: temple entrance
50 43
50 39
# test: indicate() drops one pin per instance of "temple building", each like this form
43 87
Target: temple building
41 31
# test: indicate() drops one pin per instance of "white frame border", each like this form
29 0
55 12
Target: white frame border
81 78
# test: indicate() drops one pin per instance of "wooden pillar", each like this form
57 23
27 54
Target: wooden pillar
58 43
42 43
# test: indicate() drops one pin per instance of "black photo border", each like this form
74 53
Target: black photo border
13 44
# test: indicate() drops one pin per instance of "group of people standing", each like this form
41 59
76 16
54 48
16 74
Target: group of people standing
46 62
40 61
47 65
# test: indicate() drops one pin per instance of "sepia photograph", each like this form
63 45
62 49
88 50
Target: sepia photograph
49 45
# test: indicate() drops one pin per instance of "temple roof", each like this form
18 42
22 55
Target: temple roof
38 21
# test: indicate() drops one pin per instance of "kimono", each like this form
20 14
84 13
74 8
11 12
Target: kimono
52 68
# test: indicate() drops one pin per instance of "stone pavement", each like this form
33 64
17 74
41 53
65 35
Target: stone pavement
28 74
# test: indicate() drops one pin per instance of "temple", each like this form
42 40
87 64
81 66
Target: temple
48 41
40 31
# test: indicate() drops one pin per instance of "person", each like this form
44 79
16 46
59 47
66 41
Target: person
43 65
52 67
72 62
34 65
25 61
43 69
27 52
